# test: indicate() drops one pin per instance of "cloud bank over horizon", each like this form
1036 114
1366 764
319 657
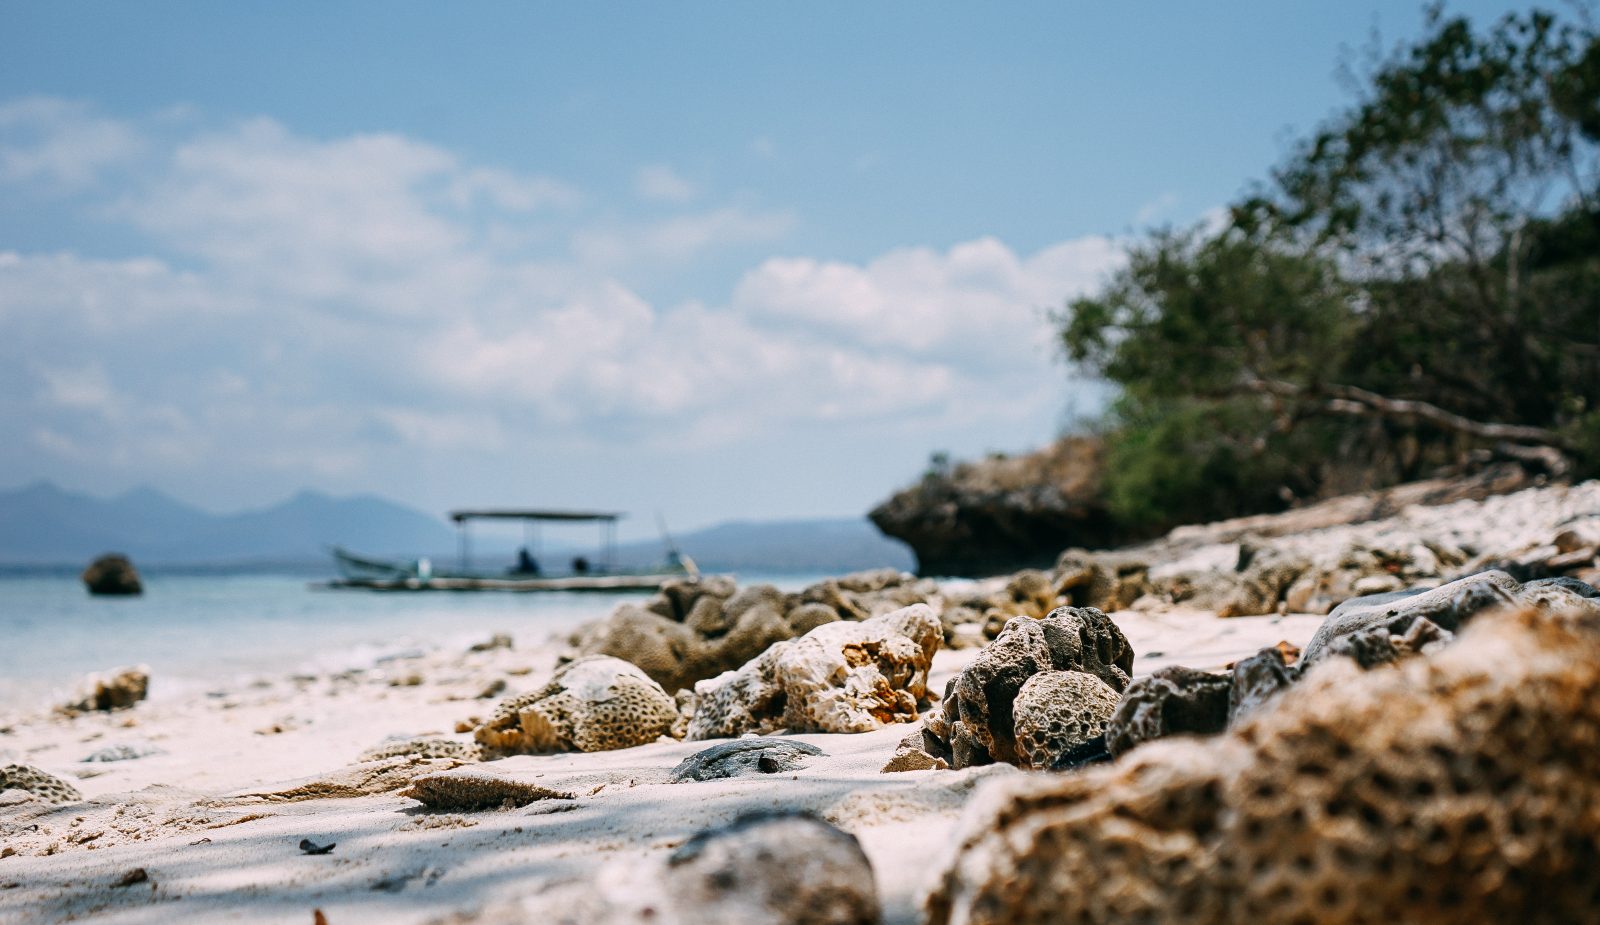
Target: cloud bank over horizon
270 309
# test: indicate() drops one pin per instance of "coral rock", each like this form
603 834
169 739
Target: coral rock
743 757
117 689
978 709
1057 713
596 703
1172 701
1459 787
43 785
840 677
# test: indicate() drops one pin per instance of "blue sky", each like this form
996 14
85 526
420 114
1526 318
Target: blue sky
722 260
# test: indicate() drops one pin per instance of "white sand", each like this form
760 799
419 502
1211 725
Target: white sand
212 854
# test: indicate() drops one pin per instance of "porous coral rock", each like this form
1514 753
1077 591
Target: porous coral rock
839 677
1171 701
43 785
1056 713
1460 787
596 703
977 722
423 747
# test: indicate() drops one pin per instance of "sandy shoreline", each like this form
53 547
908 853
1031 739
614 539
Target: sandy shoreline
193 817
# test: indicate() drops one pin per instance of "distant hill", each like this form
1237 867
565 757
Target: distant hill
42 524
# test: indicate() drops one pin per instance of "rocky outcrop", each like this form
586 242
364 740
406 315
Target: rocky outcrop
977 723
1002 513
596 703
840 677
695 629
1461 786
112 574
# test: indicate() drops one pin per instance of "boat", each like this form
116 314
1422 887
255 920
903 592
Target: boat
526 574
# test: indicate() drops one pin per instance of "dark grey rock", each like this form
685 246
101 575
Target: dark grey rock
1172 701
1256 680
742 757
1449 606
112 575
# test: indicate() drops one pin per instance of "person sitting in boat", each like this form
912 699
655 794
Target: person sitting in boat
526 563
580 566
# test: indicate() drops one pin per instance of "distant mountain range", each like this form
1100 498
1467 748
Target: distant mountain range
42 524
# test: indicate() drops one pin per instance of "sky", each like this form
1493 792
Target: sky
720 261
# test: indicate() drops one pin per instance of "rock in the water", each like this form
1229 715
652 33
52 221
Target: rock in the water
743 757
1459 787
1172 701
1056 713
839 677
112 575
977 724
44 786
116 689
596 703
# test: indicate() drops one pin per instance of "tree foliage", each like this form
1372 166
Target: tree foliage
1419 280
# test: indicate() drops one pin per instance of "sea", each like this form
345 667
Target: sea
196 632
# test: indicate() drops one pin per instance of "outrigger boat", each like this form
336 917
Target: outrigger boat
527 574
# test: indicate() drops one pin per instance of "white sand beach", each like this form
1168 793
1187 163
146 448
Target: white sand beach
208 816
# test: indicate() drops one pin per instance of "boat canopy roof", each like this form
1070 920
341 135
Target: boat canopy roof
525 514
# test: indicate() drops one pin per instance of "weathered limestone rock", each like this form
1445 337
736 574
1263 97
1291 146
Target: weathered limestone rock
1057 713
1172 701
1460 787
976 724
596 703
914 753
839 677
44 786
743 757
665 649
112 575
117 689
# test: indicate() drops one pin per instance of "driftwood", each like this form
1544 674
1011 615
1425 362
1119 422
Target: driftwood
1521 442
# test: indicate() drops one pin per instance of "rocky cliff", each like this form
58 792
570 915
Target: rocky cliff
1003 512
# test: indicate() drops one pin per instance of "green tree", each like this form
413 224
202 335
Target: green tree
1419 280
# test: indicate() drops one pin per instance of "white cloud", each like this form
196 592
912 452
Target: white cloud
61 142
660 183
341 301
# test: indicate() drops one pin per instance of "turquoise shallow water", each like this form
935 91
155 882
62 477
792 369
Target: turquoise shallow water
198 630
